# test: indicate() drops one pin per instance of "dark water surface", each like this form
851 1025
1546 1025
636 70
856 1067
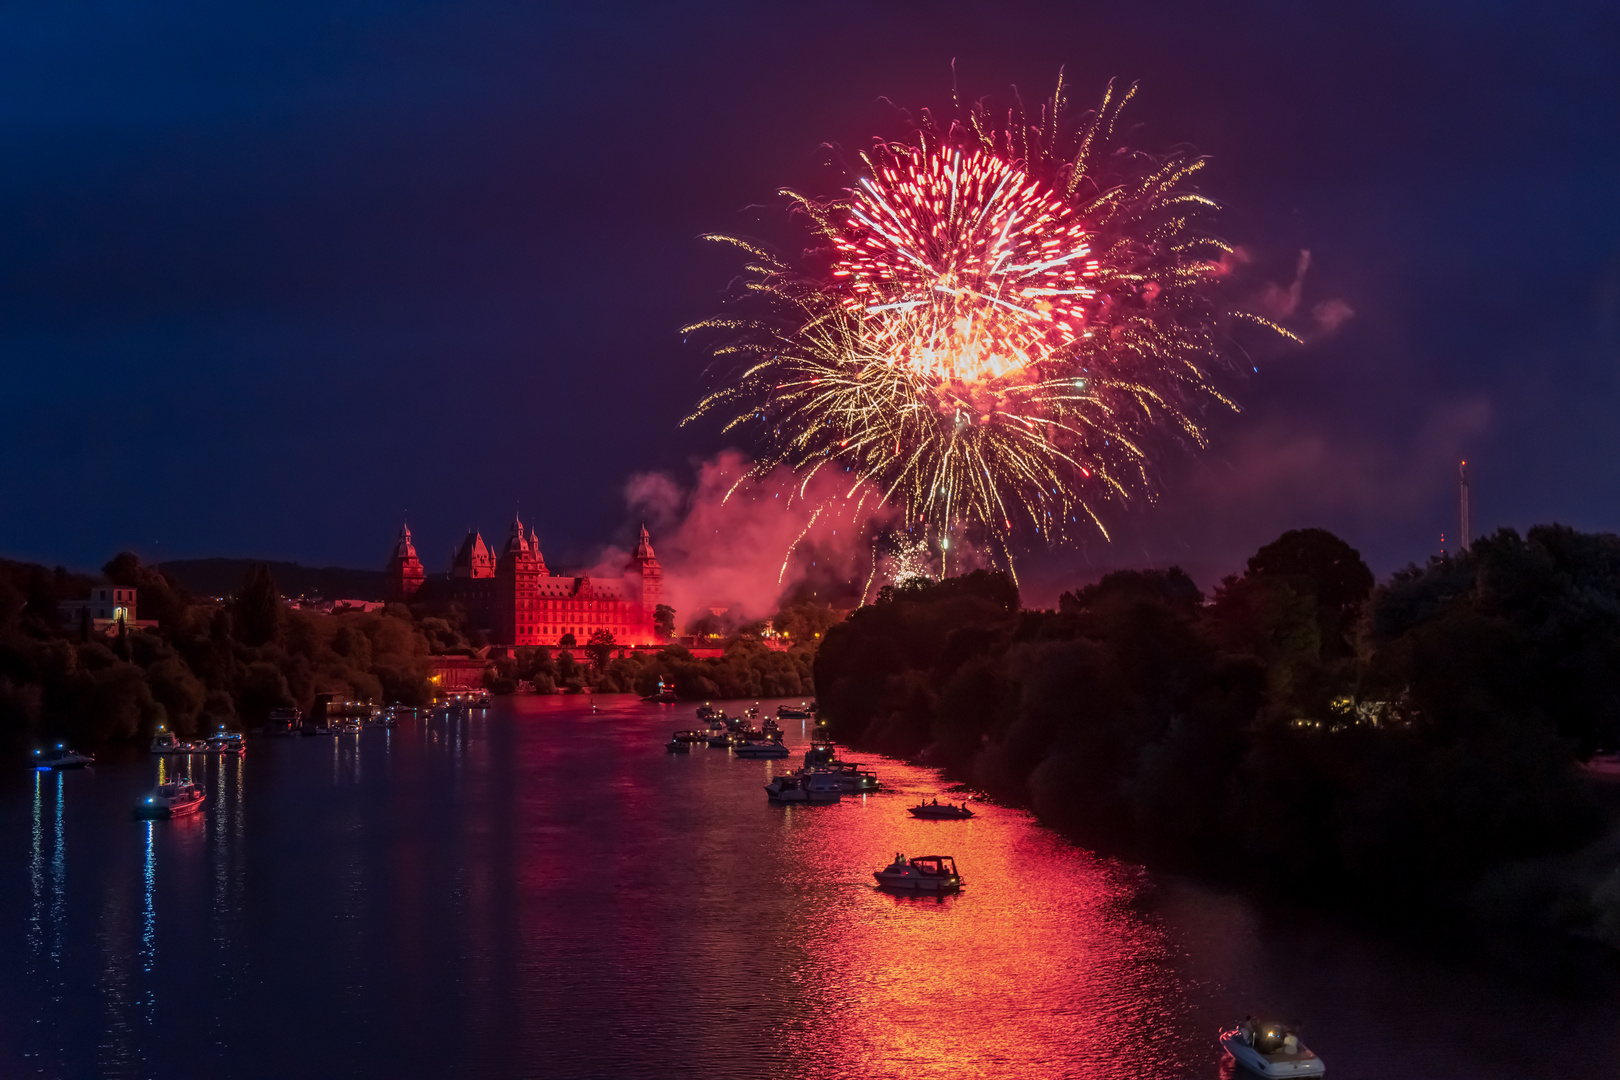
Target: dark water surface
541 892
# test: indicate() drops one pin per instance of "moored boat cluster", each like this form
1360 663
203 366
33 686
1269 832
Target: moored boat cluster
823 779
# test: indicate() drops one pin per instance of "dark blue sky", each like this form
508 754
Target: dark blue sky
271 274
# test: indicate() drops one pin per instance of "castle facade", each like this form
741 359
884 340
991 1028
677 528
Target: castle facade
515 600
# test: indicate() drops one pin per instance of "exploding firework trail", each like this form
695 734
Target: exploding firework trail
1011 316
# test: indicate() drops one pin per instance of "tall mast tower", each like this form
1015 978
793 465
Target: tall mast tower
1462 498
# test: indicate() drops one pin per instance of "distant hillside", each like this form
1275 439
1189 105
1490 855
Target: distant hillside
222 577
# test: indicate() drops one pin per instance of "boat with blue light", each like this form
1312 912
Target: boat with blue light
60 757
176 798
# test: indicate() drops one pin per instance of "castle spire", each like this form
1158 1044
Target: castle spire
644 549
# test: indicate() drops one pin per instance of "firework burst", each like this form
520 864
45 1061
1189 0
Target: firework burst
1010 318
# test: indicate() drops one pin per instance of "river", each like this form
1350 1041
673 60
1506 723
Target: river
542 891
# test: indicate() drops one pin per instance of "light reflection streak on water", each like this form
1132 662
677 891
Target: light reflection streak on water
36 877
59 873
149 905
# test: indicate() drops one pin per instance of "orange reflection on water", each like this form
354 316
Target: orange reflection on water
1040 967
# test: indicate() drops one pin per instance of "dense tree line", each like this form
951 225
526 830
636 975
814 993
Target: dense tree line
1409 747
202 666
748 669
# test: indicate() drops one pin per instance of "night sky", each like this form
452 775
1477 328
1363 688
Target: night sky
273 274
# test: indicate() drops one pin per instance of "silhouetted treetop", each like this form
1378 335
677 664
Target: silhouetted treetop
1334 568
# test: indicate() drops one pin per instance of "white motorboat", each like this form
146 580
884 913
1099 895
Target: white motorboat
60 757
678 746
164 742
922 873
816 788
820 753
760 749
1271 1048
948 812
174 799
855 779
224 742
787 712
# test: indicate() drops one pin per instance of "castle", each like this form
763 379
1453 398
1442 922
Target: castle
515 600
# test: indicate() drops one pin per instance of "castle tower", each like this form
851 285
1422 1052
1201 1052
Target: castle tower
517 588
646 580
473 559
404 570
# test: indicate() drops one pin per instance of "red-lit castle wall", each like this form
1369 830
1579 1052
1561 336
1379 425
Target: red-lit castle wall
517 601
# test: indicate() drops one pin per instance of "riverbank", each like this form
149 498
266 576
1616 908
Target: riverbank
1411 752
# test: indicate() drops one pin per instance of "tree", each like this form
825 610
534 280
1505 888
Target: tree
1337 575
601 646
258 613
664 621
568 641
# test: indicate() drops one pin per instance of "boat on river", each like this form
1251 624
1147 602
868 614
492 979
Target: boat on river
855 779
164 742
760 749
176 798
820 753
921 873
60 757
224 742
812 788
283 722
933 810
1271 1048
788 712
691 737
678 745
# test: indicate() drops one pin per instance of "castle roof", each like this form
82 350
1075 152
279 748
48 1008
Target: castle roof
517 540
644 548
473 558
404 549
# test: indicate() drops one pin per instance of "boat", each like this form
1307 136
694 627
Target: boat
346 727
60 757
283 722
770 727
164 742
753 713
1271 1048
173 799
709 712
720 739
788 712
224 742
818 788
664 695
691 737
854 778
760 749
820 753
922 873
948 812
678 745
